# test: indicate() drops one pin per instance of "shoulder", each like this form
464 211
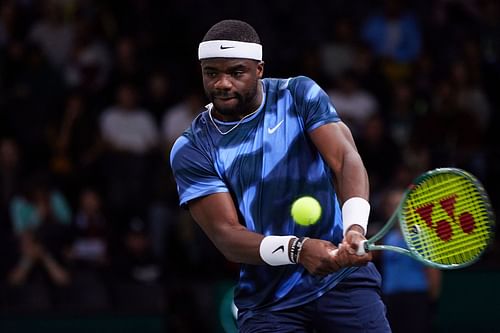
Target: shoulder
181 142
298 86
306 90
302 83
192 138
287 83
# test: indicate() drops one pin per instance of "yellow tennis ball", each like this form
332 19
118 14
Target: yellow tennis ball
306 210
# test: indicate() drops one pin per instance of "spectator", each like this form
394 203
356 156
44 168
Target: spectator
32 93
89 62
159 94
126 63
38 278
410 289
39 205
126 127
89 254
179 117
380 153
403 113
337 54
470 96
138 272
90 245
76 146
394 35
131 136
53 34
8 16
41 218
354 104
11 174
368 70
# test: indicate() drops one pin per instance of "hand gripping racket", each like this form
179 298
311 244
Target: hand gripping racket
445 217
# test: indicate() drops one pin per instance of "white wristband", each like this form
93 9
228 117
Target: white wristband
355 210
274 250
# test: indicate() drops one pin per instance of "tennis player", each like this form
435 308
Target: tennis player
259 145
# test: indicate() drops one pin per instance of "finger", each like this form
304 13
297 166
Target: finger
335 252
338 260
352 248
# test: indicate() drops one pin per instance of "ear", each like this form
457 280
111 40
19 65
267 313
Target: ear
260 70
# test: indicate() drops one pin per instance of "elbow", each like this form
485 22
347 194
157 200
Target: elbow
228 250
231 250
232 257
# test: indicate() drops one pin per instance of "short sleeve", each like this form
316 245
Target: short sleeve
193 171
314 104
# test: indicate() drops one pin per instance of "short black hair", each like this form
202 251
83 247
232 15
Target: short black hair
232 30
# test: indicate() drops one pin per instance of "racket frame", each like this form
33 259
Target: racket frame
369 245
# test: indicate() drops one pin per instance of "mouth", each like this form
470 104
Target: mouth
224 98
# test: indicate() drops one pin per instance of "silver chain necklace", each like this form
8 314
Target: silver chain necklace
232 128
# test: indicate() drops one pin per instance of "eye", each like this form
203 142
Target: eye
210 74
237 73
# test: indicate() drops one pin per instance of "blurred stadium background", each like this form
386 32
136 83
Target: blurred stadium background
93 94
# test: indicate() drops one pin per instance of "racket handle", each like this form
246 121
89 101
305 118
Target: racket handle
361 249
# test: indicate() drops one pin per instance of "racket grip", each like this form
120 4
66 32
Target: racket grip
361 249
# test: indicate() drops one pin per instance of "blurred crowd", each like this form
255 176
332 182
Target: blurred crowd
94 93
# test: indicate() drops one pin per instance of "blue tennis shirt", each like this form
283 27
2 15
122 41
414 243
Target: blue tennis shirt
266 163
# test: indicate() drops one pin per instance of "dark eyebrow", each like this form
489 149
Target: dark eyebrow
238 66
227 69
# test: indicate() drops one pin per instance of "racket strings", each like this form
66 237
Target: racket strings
461 247
446 219
459 251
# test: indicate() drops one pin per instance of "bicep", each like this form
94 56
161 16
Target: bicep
335 143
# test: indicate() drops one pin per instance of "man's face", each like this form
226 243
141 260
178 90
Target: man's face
231 85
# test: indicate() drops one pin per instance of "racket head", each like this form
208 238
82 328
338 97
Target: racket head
446 218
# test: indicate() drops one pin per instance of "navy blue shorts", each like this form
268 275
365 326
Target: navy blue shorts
347 308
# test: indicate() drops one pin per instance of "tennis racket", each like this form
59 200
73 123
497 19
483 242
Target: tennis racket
445 217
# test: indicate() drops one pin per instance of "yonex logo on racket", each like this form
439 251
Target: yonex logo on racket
443 227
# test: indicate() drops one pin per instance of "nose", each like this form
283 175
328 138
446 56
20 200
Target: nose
223 82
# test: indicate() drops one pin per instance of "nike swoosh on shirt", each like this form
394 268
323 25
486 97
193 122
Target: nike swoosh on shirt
273 129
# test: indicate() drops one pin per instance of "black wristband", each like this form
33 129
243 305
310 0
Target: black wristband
296 248
291 251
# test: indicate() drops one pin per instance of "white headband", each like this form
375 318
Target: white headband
229 49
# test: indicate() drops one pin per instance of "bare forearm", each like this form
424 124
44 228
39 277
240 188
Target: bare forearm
239 245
